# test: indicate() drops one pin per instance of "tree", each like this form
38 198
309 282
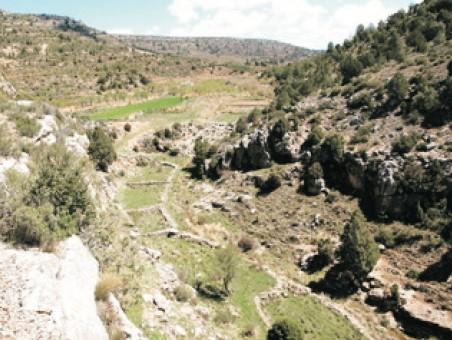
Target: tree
202 153
101 148
226 263
332 149
285 329
315 137
394 47
358 252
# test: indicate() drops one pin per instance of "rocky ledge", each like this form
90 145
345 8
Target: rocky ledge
49 295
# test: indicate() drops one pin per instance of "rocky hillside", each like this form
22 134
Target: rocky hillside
244 50
60 60
369 121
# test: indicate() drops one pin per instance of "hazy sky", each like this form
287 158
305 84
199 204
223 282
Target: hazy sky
308 23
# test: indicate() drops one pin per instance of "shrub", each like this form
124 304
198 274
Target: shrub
332 149
417 40
362 135
127 127
286 329
315 137
107 284
325 251
28 227
350 67
240 126
101 149
7 148
246 243
183 293
27 127
253 116
223 317
314 172
405 143
398 88
272 183
358 252
226 261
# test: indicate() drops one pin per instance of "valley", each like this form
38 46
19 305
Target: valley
215 188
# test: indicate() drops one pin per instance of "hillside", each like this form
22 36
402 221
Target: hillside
62 61
218 49
199 198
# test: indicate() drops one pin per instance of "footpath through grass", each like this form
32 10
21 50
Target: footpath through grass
149 106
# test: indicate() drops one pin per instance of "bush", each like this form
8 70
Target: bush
127 127
350 67
314 172
362 135
398 88
358 252
28 227
315 137
405 143
240 126
183 293
107 284
286 329
246 243
52 203
272 183
226 261
7 148
325 251
101 149
27 127
332 149
223 317
417 40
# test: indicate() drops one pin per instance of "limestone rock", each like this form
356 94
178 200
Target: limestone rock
49 296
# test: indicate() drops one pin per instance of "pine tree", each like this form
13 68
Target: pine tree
359 252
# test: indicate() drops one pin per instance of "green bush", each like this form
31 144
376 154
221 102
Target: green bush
51 204
203 151
325 251
286 329
315 137
405 143
350 67
314 172
101 149
417 40
332 149
398 88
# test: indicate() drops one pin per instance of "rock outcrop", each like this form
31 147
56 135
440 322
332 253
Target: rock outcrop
49 295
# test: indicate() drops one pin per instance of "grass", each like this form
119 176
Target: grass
213 86
317 321
148 222
107 284
135 314
140 198
149 106
192 259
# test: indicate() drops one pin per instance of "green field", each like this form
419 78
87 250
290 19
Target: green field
149 106
317 321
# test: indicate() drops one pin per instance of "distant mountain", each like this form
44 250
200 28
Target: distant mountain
227 48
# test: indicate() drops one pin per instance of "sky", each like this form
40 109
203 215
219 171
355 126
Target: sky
307 23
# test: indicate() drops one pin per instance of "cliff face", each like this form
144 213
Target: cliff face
49 295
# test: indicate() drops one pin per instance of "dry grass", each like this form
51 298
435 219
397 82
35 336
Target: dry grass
107 284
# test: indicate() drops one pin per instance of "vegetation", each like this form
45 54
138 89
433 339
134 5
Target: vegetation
26 126
146 107
285 330
52 204
358 252
107 284
101 149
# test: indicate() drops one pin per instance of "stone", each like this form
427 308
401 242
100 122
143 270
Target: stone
50 295
179 331
160 301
